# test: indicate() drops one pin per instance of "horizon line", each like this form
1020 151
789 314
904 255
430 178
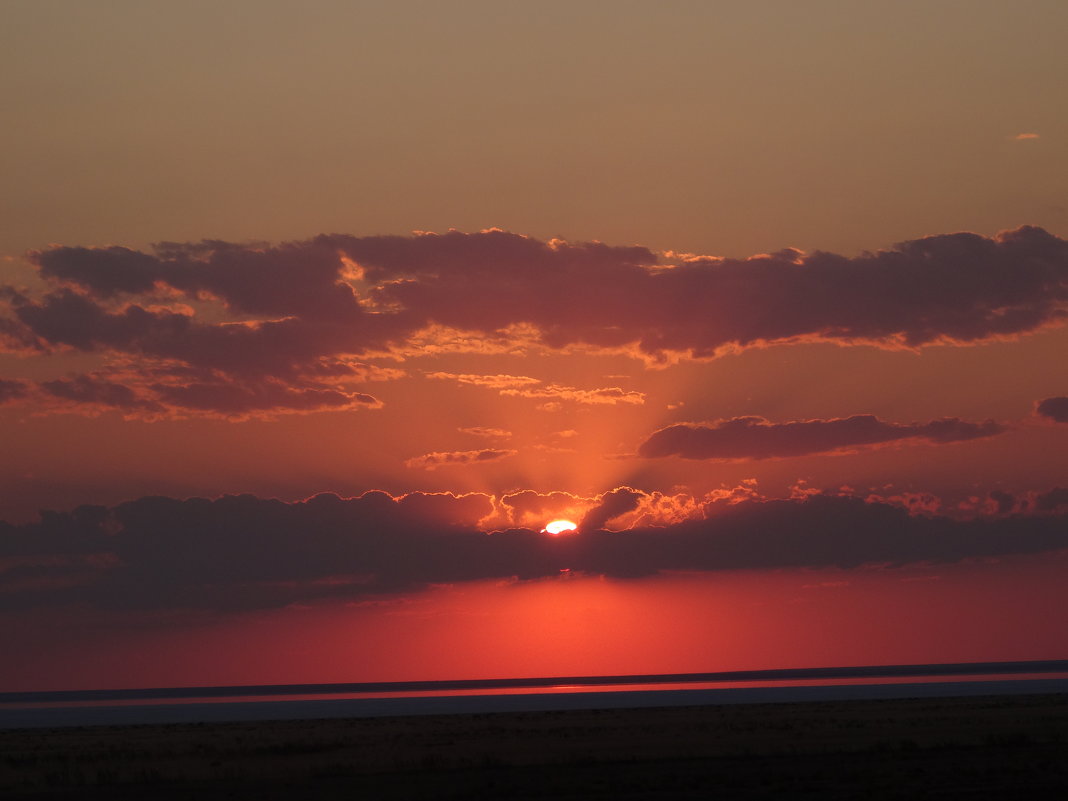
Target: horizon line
383 687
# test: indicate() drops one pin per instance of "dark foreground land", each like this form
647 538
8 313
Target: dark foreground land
947 748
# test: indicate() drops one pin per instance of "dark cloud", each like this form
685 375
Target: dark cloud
756 438
961 287
241 552
1055 409
13 390
432 461
227 369
91 391
482 255
290 279
190 392
233 399
953 287
1051 500
436 509
105 271
611 505
1005 501
285 347
288 311
64 317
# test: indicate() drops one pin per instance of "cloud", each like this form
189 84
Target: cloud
294 312
225 369
432 461
488 433
957 287
90 391
243 552
185 393
530 508
13 390
611 505
554 392
1023 137
482 255
240 400
1051 500
493 381
1055 409
1004 502
756 438
302 278
521 386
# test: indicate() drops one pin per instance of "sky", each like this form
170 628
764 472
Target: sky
313 315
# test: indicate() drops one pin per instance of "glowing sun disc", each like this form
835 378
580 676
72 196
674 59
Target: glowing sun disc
559 527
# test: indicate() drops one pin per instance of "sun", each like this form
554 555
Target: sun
559 527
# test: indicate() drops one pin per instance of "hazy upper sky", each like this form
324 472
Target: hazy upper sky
726 128
772 292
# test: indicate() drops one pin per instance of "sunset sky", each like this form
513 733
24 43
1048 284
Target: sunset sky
313 315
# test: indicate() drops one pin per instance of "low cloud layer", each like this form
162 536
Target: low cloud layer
756 438
242 552
215 327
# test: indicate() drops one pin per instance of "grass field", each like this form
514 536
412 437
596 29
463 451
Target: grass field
947 748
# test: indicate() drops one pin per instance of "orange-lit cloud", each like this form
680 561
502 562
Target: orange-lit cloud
745 491
528 508
1020 137
432 461
554 392
520 386
488 433
492 381
756 438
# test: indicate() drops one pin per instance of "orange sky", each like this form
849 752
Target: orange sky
764 297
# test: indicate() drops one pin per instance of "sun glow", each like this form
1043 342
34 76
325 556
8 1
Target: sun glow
559 527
